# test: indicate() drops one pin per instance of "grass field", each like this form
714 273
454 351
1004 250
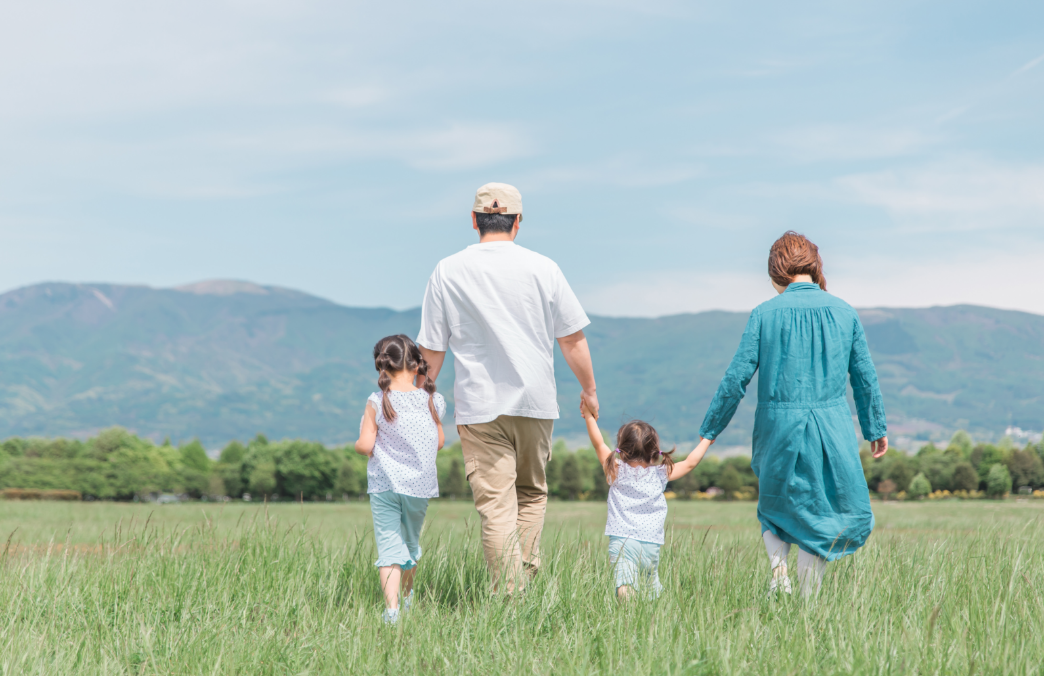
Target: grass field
950 587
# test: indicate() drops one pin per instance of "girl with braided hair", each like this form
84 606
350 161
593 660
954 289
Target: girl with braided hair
637 472
401 434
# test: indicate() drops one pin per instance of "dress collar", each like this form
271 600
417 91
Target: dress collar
802 286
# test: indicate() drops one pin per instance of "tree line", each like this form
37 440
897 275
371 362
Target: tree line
962 468
118 465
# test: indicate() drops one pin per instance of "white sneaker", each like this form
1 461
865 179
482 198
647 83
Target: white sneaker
407 602
782 584
391 616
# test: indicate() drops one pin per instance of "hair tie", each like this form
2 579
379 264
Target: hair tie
617 450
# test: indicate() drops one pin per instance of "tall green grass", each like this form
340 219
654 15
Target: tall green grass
952 588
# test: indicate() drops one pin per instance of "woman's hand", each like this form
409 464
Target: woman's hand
879 447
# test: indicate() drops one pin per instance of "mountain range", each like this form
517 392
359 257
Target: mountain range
221 360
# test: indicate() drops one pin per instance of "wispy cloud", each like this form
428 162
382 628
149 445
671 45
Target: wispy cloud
985 194
672 292
855 278
1028 66
628 172
853 142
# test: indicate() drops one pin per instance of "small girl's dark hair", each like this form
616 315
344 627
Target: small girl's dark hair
398 353
637 441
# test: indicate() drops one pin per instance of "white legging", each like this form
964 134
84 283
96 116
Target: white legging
810 566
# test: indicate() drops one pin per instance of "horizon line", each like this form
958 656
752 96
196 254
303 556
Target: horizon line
189 288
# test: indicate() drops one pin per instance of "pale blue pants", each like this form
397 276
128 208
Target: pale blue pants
397 522
636 564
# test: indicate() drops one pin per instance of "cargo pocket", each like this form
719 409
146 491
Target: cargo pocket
470 465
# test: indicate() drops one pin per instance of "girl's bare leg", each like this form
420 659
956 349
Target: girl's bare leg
407 581
391 577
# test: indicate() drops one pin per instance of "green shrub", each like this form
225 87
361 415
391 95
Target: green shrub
263 479
305 470
938 468
998 482
232 453
1026 469
195 456
965 478
351 476
919 486
985 456
730 481
961 442
570 485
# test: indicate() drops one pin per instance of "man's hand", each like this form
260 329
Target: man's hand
879 447
589 402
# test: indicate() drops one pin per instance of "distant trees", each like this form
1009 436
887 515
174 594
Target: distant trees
996 469
118 465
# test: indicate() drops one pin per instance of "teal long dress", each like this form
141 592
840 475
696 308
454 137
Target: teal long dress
811 488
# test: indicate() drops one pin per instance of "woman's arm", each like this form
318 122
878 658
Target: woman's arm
682 468
734 385
368 432
867 393
595 434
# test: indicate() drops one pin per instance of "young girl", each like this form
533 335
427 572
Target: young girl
401 433
638 472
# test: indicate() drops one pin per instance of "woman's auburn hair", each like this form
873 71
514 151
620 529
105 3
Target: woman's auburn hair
637 441
794 254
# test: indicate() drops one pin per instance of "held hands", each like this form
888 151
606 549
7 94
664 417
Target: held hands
589 404
879 447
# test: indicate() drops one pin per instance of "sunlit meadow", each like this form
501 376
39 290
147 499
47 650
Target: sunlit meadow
942 587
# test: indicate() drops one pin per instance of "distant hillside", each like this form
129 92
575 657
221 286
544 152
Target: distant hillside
223 360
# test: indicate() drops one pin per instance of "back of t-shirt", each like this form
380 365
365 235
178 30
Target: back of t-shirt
499 307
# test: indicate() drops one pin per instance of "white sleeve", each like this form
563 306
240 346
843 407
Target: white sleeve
440 405
374 402
435 330
568 316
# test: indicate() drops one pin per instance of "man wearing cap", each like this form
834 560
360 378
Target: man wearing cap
501 308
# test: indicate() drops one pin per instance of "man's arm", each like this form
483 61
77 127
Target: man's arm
434 360
578 355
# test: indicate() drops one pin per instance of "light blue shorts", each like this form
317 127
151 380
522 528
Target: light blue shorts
636 564
397 521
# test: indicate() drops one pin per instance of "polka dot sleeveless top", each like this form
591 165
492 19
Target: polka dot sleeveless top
637 508
404 453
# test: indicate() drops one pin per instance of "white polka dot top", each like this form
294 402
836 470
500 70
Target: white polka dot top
404 453
637 508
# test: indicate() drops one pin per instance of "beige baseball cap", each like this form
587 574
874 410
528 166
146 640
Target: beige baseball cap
498 198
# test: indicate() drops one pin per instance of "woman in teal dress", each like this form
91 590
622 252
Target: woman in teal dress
807 344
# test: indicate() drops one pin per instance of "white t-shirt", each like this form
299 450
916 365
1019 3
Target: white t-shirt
637 506
499 307
403 459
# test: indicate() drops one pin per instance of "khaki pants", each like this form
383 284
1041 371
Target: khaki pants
504 462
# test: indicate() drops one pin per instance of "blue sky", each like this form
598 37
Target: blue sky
660 147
